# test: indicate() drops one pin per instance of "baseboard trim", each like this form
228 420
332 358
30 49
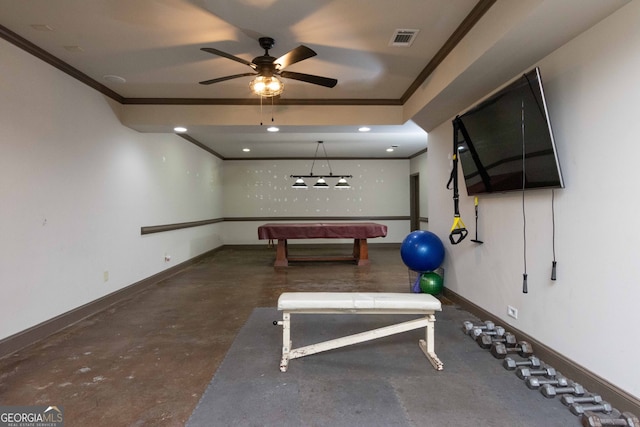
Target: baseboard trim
618 398
47 328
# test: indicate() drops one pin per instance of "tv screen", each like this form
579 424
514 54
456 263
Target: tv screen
505 143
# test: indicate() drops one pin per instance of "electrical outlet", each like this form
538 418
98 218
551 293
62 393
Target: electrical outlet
105 275
512 311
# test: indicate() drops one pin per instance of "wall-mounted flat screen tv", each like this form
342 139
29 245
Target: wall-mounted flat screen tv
505 143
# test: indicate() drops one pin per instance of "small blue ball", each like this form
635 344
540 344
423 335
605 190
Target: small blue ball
422 251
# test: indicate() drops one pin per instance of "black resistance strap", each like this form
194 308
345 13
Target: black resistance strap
458 230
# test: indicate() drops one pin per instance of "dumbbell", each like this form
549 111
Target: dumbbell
510 364
535 383
577 409
498 331
486 341
590 419
568 399
500 351
549 391
523 372
467 326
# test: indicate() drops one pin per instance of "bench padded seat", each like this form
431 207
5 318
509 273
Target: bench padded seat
356 301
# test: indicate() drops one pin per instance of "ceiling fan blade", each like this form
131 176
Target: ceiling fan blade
227 55
295 55
222 79
316 80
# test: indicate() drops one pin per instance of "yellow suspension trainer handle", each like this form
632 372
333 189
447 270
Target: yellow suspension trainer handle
458 231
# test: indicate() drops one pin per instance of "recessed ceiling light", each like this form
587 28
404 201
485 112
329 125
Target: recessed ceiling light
180 129
364 129
114 79
273 129
246 150
390 149
73 48
42 27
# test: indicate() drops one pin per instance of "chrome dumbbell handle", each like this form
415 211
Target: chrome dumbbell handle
577 409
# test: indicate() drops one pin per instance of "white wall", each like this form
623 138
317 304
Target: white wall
262 189
75 188
590 314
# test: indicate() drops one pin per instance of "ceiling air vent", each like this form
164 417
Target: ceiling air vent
403 38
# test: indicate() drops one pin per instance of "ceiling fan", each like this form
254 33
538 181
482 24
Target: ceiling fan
267 67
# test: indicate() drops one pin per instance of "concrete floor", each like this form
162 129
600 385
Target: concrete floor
147 360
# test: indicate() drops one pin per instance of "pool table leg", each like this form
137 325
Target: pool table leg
281 254
361 251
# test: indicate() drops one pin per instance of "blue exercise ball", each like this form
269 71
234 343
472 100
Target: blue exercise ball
422 251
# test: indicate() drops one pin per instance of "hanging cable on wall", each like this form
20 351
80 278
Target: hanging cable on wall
553 235
524 216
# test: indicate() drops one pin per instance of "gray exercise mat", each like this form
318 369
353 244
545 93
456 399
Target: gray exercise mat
385 382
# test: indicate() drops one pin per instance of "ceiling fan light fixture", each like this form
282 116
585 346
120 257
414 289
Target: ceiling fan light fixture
266 86
265 67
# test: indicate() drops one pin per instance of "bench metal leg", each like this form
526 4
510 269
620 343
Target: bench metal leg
286 341
426 345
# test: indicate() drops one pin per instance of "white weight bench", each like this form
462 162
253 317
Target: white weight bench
358 303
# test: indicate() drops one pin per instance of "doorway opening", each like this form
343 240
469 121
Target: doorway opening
414 201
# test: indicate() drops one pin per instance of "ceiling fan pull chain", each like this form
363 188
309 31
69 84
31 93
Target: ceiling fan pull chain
260 110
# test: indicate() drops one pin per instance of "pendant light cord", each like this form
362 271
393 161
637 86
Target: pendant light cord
327 159
315 156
